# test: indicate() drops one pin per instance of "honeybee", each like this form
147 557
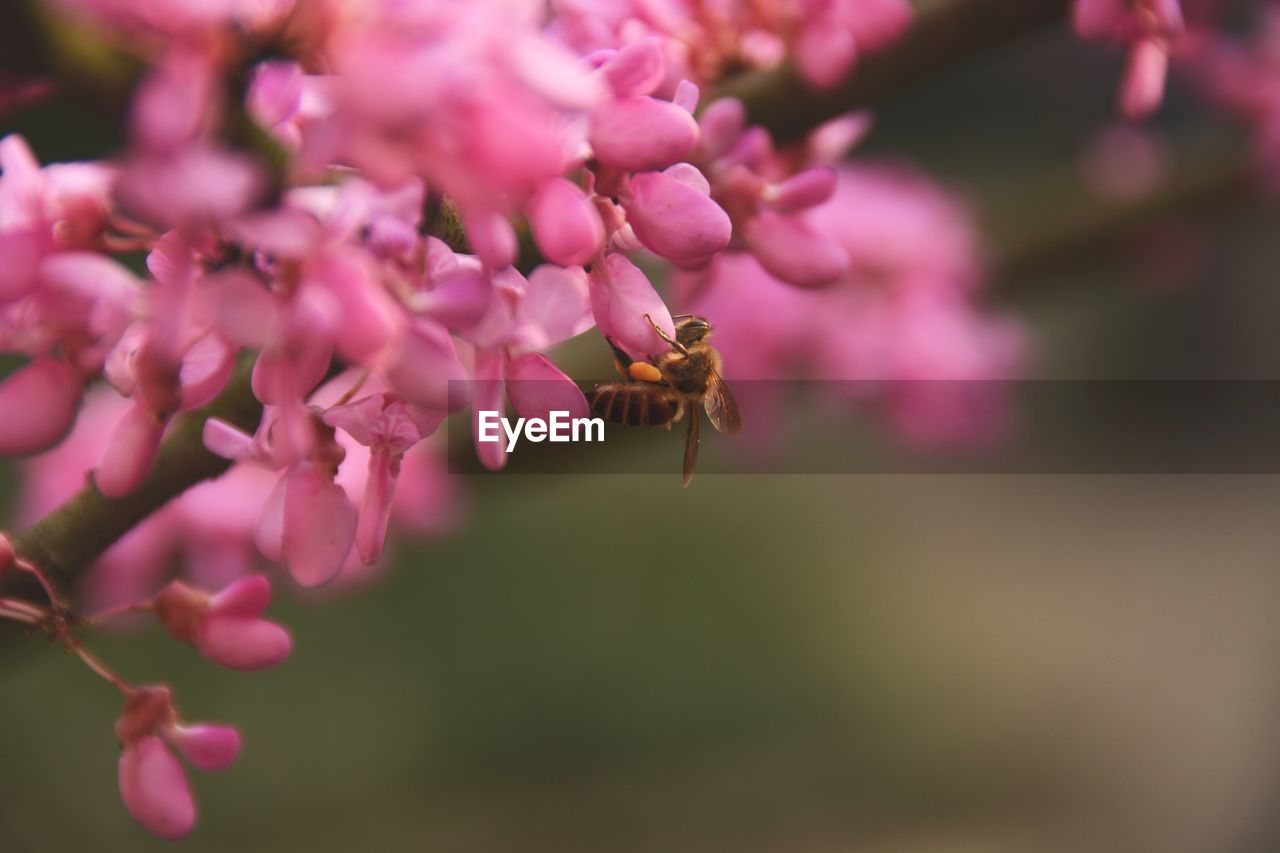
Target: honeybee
662 390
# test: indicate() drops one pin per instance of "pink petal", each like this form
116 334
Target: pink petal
275 92
492 238
375 511
269 534
803 190
191 188
621 296
876 23
824 53
555 73
369 315
721 124
636 69
1143 87
459 298
319 526
241 307
281 376
423 367
565 223
640 134
222 439
794 251
556 306
130 451
284 233
93 275
241 643
831 141
38 403
537 388
22 248
674 219
486 396
248 596
154 789
690 175
206 367
686 96
207 746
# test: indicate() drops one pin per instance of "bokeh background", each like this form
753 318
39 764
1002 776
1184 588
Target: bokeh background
790 663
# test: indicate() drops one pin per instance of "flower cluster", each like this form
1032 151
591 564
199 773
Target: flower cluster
392 210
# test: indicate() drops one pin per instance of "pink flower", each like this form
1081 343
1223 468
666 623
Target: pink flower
161 372
676 219
152 782
637 134
621 296
225 627
539 313
388 427
565 224
1149 28
45 210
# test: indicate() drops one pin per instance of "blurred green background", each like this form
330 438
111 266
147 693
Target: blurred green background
809 664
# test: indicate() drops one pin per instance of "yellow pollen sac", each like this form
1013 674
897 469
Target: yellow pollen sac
643 371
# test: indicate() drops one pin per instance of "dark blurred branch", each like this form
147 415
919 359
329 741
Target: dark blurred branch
944 35
65 542
1030 234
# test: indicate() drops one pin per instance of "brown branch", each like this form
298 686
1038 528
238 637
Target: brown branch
70 538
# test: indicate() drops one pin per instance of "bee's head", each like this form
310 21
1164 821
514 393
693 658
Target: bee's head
691 329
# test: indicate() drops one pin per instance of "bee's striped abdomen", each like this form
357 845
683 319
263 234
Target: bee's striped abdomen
634 403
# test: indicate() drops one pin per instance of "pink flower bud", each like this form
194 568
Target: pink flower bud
225 628
621 296
154 788
565 223
674 219
824 52
794 251
208 746
1142 89
640 134
636 69
37 406
721 124
803 190
130 451
686 96
153 785
492 238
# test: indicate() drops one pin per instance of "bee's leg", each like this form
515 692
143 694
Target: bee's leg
621 361
675 345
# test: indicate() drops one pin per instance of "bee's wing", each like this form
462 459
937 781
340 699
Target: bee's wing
691 447
720 406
